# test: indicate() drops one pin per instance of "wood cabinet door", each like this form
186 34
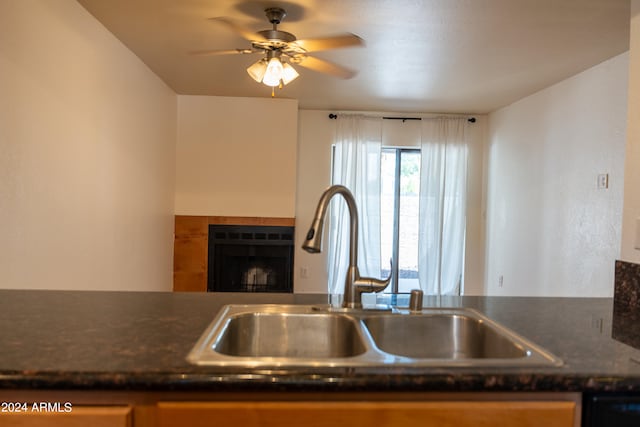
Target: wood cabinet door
79 416
367 414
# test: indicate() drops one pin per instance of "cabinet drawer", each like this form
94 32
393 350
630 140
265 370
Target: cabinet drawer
80 416
366 414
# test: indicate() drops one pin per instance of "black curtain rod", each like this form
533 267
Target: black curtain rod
404 119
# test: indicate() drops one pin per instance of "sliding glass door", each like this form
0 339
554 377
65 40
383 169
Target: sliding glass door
400 195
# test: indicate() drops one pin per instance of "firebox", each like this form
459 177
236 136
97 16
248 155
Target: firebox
247 258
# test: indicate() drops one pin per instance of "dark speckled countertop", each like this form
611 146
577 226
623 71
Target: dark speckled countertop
138 341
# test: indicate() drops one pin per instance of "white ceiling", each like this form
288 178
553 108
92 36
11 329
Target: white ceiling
465 56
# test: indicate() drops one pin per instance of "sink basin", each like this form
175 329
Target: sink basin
441 336
296 335
305 336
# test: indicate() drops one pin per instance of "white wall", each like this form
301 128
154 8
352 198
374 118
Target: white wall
316 135
631 215
87 139
236 156
550 231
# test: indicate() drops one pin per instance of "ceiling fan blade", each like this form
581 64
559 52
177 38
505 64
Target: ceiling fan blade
334 42
212 52
244 32
325 67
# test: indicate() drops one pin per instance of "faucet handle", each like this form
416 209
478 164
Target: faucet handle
370 284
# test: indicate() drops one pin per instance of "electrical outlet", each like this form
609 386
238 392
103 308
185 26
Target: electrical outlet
603 181
597 323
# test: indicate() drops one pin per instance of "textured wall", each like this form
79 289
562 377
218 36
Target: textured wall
87 143
550 231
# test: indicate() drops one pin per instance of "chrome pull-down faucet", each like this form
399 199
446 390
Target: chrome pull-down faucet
354 285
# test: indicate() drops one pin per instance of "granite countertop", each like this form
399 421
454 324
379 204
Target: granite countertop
71 340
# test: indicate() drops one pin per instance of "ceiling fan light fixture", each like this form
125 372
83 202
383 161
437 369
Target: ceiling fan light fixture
277 45
273 73
257 70
289 73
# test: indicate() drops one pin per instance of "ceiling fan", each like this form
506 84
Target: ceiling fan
281 49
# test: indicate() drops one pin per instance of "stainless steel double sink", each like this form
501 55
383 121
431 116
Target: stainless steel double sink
282 336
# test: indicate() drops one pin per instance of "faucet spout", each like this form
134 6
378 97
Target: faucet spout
355 285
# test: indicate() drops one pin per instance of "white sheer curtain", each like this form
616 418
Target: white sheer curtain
358 143
443 188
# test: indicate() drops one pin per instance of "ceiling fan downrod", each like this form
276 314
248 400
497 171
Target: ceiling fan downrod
275 15
275 37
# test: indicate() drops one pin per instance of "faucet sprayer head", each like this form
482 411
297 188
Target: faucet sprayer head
313 241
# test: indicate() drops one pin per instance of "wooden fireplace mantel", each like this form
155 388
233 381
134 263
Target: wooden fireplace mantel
190 246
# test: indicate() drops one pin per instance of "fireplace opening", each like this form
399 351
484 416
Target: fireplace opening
247 258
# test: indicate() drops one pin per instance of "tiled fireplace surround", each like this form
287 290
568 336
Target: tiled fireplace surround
190 250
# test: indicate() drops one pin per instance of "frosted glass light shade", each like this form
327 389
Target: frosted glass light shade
274 72
257 70
289 73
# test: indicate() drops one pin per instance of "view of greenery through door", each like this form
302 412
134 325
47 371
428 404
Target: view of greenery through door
400 201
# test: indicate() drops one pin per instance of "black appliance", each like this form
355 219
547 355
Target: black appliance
611 410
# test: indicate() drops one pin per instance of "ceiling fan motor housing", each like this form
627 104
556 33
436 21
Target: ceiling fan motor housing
277 36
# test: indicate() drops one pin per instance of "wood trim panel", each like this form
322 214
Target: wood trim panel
190 246
188 225
245 220
191 226
190 254
366 414
189 282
